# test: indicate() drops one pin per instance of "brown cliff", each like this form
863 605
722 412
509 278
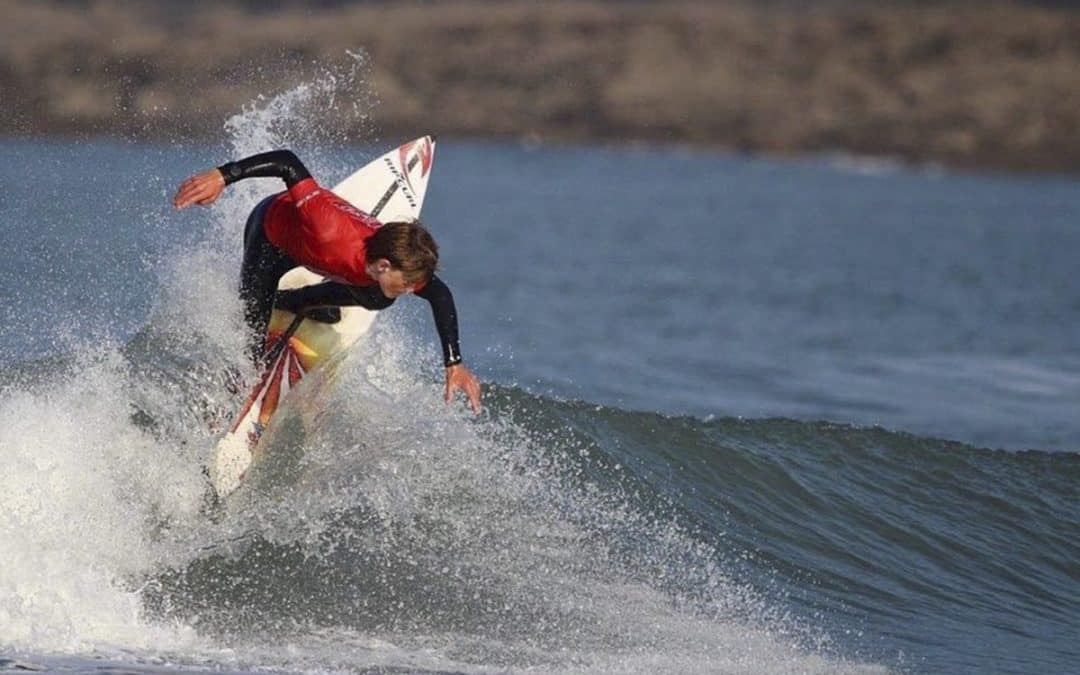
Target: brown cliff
989 84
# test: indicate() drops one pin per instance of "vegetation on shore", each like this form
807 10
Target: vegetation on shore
988 84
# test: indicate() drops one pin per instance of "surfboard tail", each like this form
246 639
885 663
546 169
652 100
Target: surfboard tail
233 453
232 457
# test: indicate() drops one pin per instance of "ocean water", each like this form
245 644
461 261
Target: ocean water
743 415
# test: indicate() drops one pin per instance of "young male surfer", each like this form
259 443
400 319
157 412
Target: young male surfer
372 263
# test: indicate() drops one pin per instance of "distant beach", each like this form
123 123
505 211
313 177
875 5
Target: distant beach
987 85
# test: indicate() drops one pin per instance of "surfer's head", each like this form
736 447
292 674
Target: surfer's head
402 257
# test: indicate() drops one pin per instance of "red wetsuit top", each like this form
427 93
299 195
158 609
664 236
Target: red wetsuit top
320 230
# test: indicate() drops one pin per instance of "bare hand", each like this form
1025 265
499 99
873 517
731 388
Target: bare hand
458 378
202 189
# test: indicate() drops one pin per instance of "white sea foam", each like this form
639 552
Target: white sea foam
80 486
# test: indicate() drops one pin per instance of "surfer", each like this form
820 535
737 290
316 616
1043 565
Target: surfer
372 263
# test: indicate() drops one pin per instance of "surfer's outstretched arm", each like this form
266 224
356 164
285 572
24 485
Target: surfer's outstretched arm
205 188
435 291
438 295
281 164
458 377
331 294
334 294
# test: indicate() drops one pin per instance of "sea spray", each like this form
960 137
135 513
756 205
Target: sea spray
330 110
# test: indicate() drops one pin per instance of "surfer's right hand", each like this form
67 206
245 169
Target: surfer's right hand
459 378
202 189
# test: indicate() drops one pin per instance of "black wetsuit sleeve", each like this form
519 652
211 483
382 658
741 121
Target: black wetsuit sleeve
441 299
332 293
281 164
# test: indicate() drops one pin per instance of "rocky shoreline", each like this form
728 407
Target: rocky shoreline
988 85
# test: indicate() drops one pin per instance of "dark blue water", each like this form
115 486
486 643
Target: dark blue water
743 415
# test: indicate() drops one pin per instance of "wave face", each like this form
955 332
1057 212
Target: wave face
962 556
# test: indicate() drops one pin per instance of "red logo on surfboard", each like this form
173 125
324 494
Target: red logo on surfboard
425 154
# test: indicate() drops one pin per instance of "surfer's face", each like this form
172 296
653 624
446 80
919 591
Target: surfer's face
393 284
391 280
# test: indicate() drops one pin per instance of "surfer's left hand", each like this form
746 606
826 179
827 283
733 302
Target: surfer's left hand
202 189
458 377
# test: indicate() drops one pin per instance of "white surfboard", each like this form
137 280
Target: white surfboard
390 188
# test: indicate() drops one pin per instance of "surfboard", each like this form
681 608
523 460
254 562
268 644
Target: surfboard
390 188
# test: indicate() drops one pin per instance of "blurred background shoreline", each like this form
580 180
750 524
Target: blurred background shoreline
988 85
